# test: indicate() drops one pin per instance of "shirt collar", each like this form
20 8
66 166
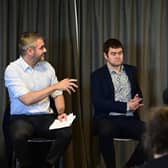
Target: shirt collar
26 66
111 69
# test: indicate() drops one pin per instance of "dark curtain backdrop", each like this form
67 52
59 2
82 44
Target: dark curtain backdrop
75 31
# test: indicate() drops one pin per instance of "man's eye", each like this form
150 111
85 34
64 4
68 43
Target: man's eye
113 53
42 47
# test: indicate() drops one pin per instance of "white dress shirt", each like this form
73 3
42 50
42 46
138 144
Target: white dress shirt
20 78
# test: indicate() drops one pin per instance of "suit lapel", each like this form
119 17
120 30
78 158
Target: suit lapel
107 78
129 73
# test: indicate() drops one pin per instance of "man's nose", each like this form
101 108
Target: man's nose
45 50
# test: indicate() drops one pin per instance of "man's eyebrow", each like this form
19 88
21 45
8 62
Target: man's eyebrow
41 46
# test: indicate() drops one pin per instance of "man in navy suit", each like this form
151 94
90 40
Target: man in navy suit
116 97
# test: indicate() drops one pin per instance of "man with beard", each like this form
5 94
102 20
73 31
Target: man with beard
30 81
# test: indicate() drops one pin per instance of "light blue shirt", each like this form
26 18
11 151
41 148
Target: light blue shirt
20 79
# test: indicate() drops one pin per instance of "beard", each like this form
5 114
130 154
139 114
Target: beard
42 58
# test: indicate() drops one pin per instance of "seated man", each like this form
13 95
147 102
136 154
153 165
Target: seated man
116 97
156 139
30 81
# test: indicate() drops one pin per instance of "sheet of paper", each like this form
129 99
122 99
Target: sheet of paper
61 124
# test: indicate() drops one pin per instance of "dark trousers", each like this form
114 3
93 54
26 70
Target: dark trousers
120 127
23 127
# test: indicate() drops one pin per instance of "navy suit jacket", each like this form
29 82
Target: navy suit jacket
102 91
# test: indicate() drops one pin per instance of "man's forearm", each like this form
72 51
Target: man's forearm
60 104
36 96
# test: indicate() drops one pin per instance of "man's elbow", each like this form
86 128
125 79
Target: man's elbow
25 101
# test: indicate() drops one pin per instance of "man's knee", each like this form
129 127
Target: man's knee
66 133
19 130
104 128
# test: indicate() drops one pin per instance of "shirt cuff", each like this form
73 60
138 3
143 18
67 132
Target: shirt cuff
128 109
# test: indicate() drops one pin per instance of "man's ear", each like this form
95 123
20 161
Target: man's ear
29 51
105 56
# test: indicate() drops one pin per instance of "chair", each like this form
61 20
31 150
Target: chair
116 144
37 143
12 160
8 143
119 143
123 154
123 139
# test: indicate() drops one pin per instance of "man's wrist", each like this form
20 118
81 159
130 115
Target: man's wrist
60 113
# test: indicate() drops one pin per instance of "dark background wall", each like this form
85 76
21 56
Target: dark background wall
75 31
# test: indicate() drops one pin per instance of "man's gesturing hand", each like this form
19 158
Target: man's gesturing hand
67 85
135 103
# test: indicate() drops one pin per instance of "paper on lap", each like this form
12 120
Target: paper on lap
61 124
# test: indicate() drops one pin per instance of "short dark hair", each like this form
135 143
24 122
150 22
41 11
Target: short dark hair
156 136
112 43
